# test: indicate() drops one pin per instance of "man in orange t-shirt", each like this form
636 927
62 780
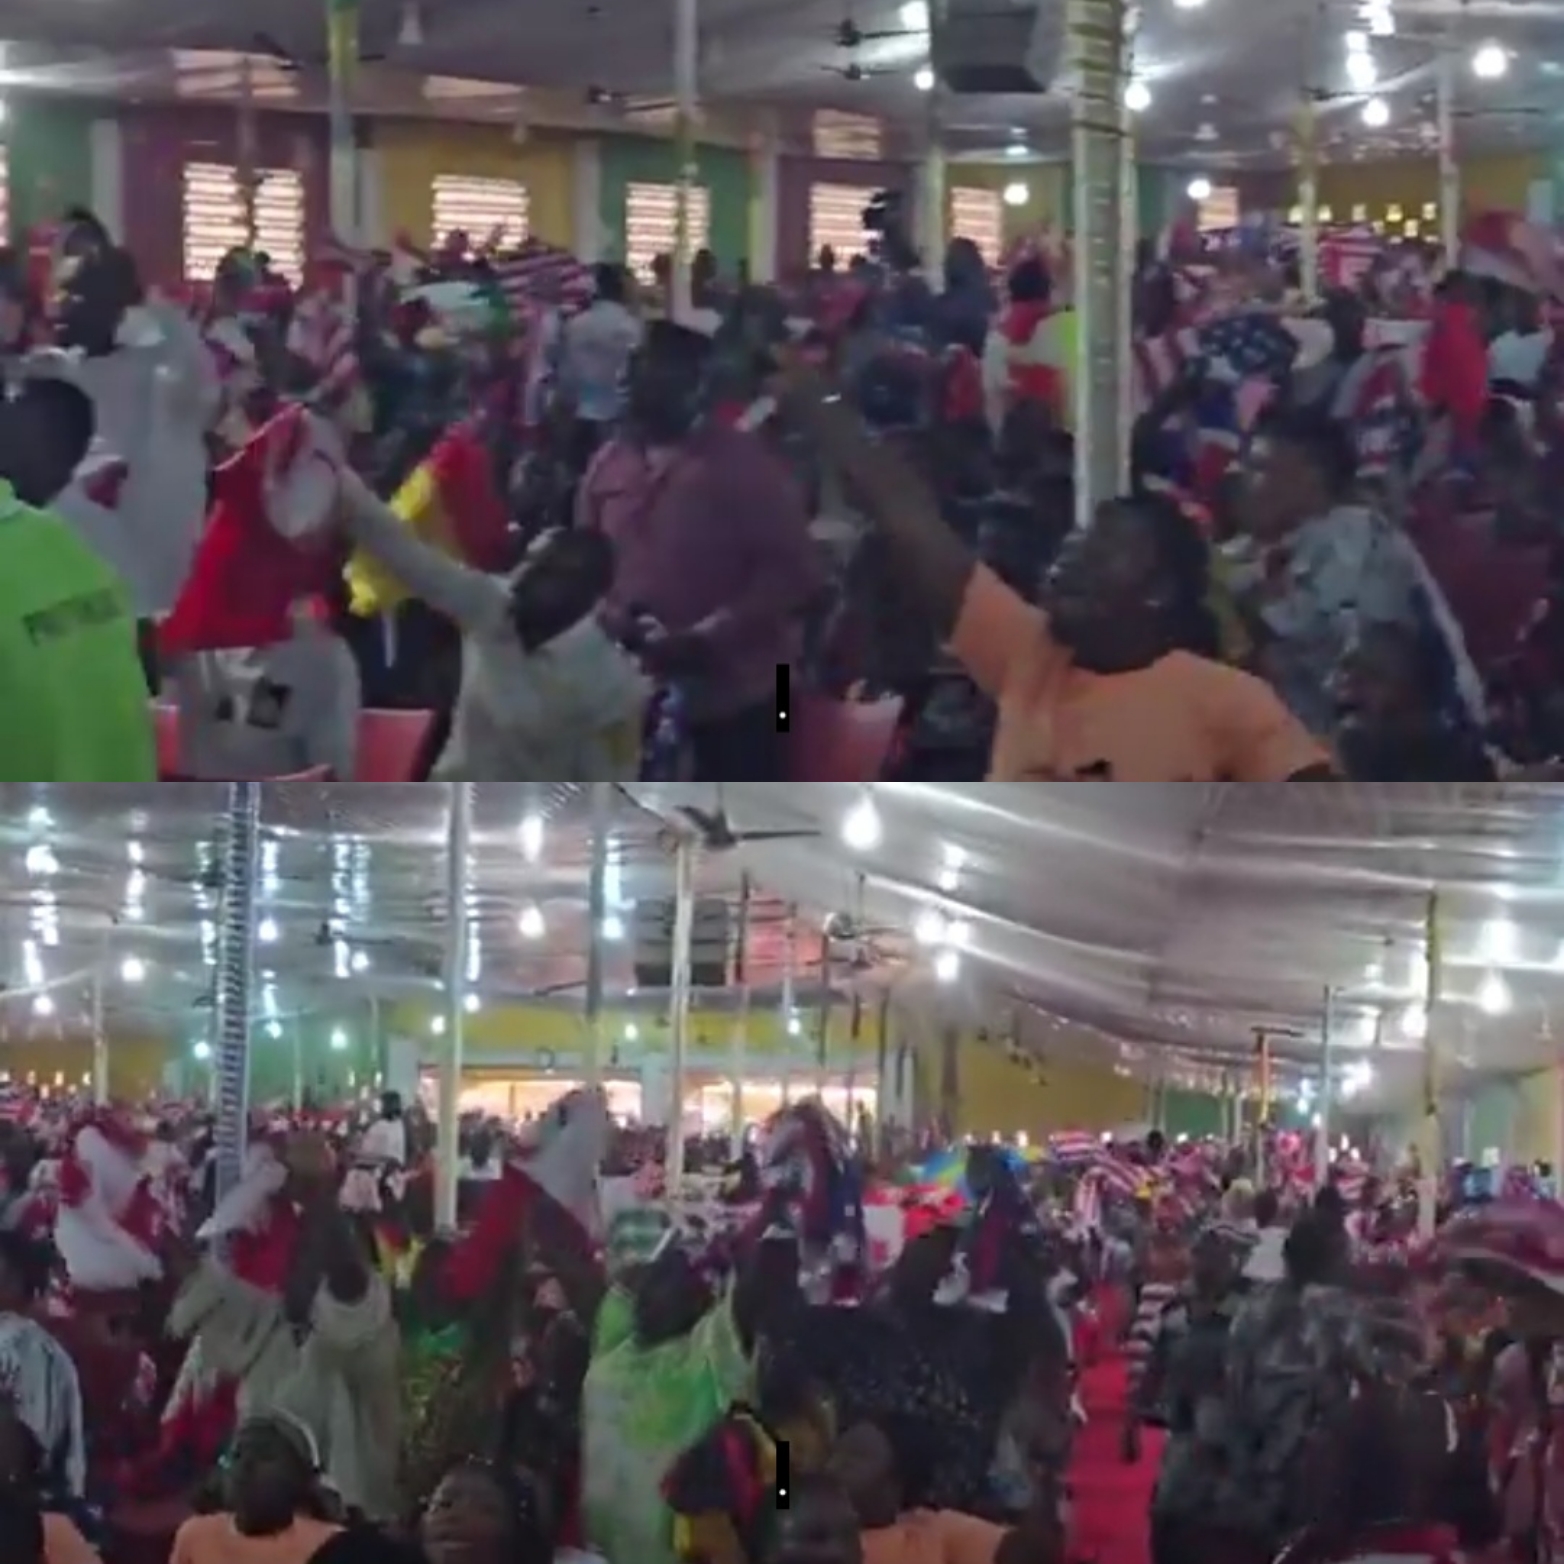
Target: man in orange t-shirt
1115 677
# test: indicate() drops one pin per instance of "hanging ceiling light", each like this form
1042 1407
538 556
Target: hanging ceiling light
133 969
1376 113
914 16
1137 97
339 1039
1493 998
923 79
532 837
1362 72
861 828
1016 194
947 965
1490 62
531 922
43 1006
1199 189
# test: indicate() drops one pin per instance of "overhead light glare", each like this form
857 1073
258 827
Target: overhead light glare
1493 998
1137 97
532 838
1376 113
947 965
1199 189
530 922
1016 194
914 16
267 932
339 1039
861 828
1357 42
923 79
133 969
1490 62
1362 72
43 1005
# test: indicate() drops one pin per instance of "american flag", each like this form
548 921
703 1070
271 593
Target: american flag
1242 357
321 333
1074 1146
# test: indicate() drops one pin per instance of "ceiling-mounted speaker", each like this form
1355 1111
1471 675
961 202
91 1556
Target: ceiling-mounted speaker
711 934
995 46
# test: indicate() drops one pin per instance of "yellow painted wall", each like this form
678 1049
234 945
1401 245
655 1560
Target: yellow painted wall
1048 191
135 1064
998 1097
414 152
1539 1117
1411 183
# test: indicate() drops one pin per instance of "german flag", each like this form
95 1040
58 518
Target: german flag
451 503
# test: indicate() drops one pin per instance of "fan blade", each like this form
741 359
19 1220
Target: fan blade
775 836
264 43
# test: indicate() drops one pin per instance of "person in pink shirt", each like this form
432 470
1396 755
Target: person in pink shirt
713 554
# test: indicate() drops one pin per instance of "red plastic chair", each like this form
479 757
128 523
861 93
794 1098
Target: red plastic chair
389 744
165 720
841 741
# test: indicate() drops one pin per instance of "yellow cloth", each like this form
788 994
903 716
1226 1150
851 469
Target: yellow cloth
372 589
1063 353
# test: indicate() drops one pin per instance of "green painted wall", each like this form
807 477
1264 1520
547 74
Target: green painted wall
724 171
1191 1113
48 144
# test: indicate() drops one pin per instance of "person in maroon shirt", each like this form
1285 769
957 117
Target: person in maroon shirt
713 551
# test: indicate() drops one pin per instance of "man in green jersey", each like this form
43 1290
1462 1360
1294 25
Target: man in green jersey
73 696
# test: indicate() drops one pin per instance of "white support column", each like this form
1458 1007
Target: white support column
1449 163
766 183
1309 199
1129 235
447 1153
586 186
107 147
679 1004
597 919
296 1096
740 1039
1097 36
686 82
934 209
1327 1090
342 38
100 1045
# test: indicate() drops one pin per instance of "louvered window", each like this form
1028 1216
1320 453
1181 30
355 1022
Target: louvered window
836 219
839 135
651 224
214 218
483 209
1220 209
979 215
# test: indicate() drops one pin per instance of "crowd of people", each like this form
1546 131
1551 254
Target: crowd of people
300 1369
584 537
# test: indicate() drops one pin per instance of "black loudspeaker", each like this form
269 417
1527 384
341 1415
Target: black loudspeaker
994 46
710 938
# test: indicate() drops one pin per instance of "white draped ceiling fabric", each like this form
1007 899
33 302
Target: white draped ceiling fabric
1150 927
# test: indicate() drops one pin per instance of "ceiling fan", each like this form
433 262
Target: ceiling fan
849 35
263 43
856 72
717 834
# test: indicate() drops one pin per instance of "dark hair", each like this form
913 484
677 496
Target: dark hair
1029 282
608 281
21 1529
58 413
1311 1248
1320 439
1266 1207
526 1502
1186 558
26 1260
14 281
365 1545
